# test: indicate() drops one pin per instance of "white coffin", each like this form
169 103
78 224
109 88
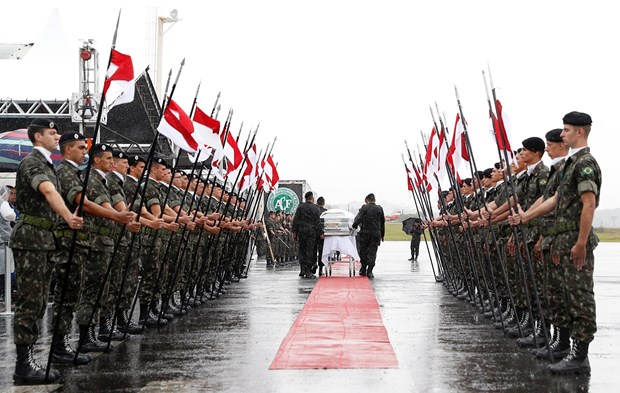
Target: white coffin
337 222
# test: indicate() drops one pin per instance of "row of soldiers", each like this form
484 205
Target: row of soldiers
519 244
170 242
276 243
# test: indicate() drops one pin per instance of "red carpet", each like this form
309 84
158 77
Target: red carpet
340 326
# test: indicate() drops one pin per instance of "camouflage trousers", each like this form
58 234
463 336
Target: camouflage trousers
579 303
33 271
93 277
150 257
73 284
130 285
554 292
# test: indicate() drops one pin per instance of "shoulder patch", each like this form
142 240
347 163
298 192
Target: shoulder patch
542 182
587 171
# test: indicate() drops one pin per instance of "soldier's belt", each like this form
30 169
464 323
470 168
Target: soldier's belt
560 227
69 234
104 231
38 222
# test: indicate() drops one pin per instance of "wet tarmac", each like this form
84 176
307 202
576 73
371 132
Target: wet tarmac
442 344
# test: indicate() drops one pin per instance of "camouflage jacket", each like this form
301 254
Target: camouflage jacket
33 170
552 186
534 186
307 220
71 185
581 174
98 192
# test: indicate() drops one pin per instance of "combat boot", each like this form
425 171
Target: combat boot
28 372
63 353
575 363
126 325
106 333
537 338
560 347
88 342
526 328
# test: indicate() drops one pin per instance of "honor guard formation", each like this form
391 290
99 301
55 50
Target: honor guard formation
160 247
517 242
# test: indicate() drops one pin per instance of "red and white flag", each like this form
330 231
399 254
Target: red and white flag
206 134
232 153
270 173
458 148
119 85
178 127
501 130
250 174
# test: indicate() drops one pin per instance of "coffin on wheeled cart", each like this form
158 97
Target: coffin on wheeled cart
339 236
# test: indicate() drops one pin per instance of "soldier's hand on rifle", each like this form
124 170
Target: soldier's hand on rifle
185 220
191 225
172 227
134 226
124 217
537 250
157 223
510 247
74 221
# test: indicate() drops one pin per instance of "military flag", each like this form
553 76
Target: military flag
119 85
178 127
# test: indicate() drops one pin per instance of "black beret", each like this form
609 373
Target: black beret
71 137
99 148
161 161
534 144
554 135
488 172
43 123
479 174
466 181
498 165
308 194
218 185
577 119
133 160
119 154
444 194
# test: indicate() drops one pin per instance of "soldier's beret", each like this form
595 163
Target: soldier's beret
498 165
119 154
444 194
554 135
71 137
43 123
577 119
134 159
487 173
479 174
216 184
534 144
467 181
161 161
100 148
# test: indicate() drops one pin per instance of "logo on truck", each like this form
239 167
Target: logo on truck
284 200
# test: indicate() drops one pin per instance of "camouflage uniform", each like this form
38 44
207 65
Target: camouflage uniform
70 185
130 186
151 248
308 228
33 266
581 174
103 234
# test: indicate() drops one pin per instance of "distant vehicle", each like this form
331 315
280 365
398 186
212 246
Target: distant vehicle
393 217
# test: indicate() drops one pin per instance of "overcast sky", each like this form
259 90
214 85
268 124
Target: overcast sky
342 84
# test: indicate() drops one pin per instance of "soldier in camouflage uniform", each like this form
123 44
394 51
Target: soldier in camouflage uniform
73 149
271 226
553 310
573 204
123 269
104 232
307 229
39 204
